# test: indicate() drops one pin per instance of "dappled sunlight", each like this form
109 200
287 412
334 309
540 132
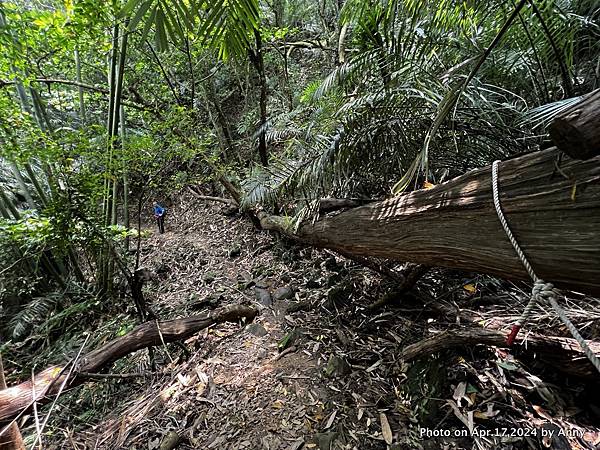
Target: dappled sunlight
452 194
194 249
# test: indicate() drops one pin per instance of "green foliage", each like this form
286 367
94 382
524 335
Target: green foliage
34 312
426 90
271 34
228 25
168 18
225 25
418 102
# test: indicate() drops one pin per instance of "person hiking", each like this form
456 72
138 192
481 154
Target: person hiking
159 214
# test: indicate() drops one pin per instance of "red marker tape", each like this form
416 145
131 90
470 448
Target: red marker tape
510 340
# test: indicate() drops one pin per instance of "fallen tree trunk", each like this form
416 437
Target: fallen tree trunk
18 398
576 131
554 213
11 439
563 354
199 196
333 204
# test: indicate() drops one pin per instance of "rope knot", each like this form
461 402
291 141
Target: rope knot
542 290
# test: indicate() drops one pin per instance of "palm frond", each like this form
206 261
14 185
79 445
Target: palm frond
436 89
170 18
228 25
544 114
33 313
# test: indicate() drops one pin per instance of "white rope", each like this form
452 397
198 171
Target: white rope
541 291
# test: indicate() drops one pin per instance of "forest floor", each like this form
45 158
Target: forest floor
317 369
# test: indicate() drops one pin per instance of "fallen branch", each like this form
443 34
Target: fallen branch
216 199
17 398
563 354
227 201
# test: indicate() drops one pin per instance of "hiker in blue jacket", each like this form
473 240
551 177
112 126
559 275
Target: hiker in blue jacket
159 214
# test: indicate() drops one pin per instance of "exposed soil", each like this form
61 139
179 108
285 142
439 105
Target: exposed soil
317 370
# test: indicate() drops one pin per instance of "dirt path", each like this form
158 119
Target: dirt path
242 388
324 377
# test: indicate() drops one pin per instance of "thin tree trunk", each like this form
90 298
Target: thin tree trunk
104 257
36 184
9 205
117 70
138 245
278 12
260 68
21 183
188 55
115 141
117 95
3 211
221 118
165 74
40 111
220 121
564 71
342 44
126 220
286 76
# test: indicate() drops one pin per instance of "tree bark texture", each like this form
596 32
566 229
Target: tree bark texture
333 204
11 439
577 130
554 213
18 398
